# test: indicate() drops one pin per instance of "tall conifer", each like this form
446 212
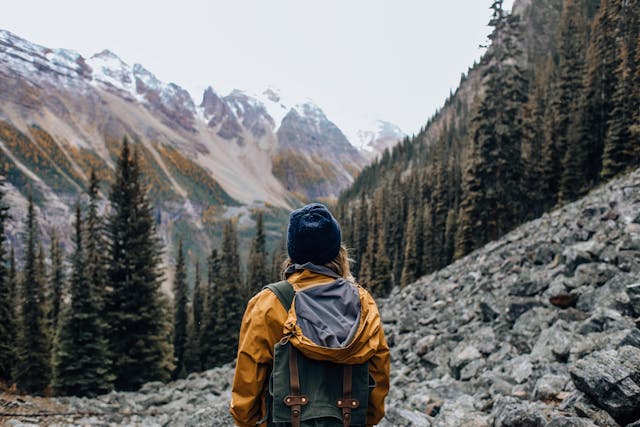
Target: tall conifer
7 321
228 298
492 198
56 282
139 325
180 314
208 336
196 310
80 363
258 273
33 369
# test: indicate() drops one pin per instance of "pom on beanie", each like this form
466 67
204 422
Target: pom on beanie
313 235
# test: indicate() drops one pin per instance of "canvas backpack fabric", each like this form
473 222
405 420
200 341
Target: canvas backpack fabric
305 392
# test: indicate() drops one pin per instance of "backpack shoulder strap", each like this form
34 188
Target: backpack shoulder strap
284 291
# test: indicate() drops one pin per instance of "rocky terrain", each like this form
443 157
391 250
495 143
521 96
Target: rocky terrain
540 328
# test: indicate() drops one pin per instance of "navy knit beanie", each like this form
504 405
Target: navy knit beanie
313 235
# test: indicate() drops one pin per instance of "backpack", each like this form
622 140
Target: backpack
307 392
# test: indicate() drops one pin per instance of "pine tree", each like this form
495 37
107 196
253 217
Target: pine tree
411 260
620 148
570 178
139 325
376 266
199 302
7 322
14 299
277 258
533 120
80 364
33 370
208 338
258 276
361 234
228 298
56 282
492 198
180 314
192 360
599 87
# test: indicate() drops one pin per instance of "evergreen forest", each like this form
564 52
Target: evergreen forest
96 319
547 123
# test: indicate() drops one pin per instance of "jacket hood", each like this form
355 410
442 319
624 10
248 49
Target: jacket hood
331 318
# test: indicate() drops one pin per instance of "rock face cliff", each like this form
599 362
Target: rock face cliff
540 328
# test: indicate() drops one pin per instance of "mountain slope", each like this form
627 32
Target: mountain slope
539 328
62 114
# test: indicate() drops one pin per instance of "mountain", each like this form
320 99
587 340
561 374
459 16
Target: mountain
62 114
377 137
539 328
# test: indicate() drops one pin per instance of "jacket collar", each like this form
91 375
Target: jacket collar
319 269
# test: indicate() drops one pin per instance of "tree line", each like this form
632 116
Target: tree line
98 321
542 131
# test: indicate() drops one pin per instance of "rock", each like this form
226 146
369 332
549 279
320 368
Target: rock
632 338
595 274
605 320
424 344
610 215
488 312
571 422
612 379
544 253
461 412
576 255
580 404
404 418
521 306
151 387
549 386
510 412
526 286
633 291
564 300
156 399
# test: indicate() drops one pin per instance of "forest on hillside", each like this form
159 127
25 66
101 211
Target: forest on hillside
94 320
545 128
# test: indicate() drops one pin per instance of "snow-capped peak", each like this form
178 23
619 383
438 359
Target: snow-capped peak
375 136
109 69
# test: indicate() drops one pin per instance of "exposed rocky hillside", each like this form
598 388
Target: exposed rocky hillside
540 328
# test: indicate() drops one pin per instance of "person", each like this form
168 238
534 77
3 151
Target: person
332 319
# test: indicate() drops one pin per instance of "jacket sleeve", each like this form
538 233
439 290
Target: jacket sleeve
379 367
261 329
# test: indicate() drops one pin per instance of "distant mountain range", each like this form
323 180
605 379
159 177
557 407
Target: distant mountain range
62 113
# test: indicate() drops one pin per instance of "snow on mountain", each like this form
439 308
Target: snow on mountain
111 72
376 136
22 56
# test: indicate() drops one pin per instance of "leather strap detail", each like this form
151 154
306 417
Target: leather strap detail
347 403
295 400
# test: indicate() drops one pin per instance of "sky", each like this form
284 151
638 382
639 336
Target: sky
359 60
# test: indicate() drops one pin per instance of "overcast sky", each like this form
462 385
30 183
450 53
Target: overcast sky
360 60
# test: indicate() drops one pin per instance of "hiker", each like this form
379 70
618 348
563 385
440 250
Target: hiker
312 351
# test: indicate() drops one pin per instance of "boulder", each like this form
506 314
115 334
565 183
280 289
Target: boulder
611 378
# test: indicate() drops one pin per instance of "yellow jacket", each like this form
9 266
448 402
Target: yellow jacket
266 321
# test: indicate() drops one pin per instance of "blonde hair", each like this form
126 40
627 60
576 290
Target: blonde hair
339 265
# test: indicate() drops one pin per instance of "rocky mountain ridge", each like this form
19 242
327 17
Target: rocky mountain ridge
62 114
539 328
